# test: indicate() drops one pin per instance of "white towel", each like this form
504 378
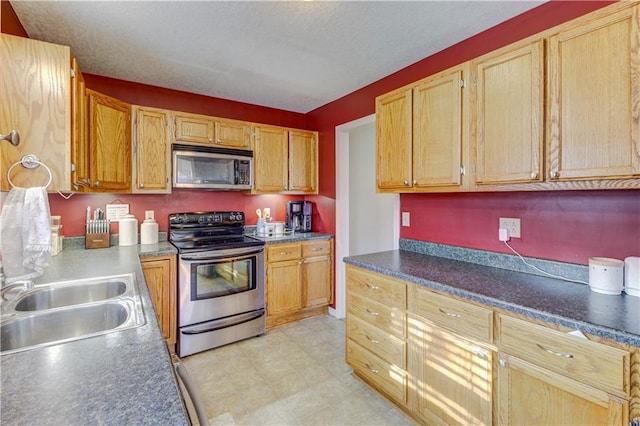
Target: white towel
25 233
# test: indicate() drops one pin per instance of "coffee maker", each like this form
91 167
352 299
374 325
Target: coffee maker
299 215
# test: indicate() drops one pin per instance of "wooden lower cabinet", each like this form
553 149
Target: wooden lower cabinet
160 275
451 378
532 395
299 280
444 360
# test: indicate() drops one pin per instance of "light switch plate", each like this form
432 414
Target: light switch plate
406 219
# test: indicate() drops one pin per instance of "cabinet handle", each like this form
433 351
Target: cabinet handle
534 175
372 287
97 183
374 341
210 140
406 183
481 355
373 370
218 141
415 182
375 314
554 174
562 354
502 362
449 314
316 249
142 185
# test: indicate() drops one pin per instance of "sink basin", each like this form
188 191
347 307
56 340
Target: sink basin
65 311
74 294
62 325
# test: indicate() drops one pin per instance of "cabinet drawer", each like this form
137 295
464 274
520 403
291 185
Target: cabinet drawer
316 248
464 318
388 347
388 378
278 252
590 362
380 288
387 319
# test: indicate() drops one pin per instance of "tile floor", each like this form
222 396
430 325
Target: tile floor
293 375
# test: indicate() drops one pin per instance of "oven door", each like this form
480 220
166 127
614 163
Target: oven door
220 283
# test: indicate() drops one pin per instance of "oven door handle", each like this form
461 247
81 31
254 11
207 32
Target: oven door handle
220 256
225 324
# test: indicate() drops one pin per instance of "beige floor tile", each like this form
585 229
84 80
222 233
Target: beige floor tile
293 375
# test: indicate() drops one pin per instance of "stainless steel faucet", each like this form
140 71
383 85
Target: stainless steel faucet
25 284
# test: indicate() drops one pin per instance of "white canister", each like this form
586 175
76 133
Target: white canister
279 228
606 275
632 276
149 232
128 230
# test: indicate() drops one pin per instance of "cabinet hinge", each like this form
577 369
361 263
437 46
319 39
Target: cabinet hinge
462 171
462 82
73 73
73 167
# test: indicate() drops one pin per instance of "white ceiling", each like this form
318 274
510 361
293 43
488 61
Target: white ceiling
293 55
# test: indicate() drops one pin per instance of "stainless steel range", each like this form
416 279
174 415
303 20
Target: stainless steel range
220 280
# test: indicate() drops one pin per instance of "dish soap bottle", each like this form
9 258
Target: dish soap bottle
149 229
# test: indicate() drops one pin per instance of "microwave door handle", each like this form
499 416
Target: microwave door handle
222 256
236 175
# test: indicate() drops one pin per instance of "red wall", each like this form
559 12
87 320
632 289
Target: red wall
567 226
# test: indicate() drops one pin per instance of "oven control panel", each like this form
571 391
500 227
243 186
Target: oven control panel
206 218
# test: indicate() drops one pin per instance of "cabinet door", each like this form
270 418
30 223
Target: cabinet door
509 107
193 128
160 275
452 378
233 134
437 131
531 395
109 143
393 141
151 151
270 151
594 95
283 287
303 161
79 140
316 281
35 100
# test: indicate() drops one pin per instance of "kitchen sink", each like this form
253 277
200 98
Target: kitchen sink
66 311
60 295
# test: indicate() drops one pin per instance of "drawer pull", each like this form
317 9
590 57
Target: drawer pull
449 314
373 287
562 354
375 314
317 249
285 252
373 370
374 341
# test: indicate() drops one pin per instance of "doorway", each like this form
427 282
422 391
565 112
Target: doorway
366 221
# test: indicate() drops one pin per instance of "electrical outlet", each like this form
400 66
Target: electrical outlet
511 224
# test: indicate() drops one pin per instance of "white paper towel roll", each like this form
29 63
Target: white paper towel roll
606 275
632 276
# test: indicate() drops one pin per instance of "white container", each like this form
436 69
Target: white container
632 276
149 232
606 275
128 230
279 228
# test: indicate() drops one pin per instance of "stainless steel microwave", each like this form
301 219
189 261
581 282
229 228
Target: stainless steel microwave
204 167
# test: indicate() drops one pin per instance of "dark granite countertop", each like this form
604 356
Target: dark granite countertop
122 378
559 302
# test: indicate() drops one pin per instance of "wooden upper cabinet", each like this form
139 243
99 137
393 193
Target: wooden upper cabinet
393 140
79 141
509 108
271 153
152 150
233 133
437 130
194 128
595 98
303 161
109 143
203 129
35 100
